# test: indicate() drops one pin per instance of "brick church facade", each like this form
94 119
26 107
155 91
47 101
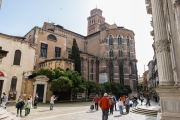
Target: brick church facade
107 52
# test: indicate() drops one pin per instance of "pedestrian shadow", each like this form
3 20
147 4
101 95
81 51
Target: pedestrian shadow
91 111
117 115
43 110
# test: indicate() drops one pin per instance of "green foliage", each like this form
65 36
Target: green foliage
76 56
61 84
140 86
117 88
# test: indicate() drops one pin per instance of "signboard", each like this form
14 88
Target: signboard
103 78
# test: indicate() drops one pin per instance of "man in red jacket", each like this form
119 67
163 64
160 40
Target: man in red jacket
105 105
96 101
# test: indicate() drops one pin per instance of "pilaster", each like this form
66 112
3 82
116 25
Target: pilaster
162 45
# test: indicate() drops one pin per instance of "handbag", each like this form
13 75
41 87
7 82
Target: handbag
17 105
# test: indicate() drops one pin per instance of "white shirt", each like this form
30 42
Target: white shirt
52 100
120 103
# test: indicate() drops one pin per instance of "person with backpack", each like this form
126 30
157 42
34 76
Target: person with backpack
114 98
112 102
36 100
27 106
104 103
96 101
19 106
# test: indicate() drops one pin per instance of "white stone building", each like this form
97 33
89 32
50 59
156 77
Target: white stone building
19 60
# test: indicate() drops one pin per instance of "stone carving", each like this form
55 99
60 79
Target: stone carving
177 3
162 45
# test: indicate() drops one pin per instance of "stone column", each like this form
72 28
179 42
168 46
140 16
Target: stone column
162 45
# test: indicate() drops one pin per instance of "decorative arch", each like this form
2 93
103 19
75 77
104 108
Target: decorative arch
17 57
52 37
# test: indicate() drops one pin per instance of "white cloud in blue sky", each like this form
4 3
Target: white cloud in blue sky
17 17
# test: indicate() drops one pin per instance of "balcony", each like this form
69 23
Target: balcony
2 53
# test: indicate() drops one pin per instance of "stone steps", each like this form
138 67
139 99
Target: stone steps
144 111
5 115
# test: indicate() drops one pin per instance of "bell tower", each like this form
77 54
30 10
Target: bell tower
94 21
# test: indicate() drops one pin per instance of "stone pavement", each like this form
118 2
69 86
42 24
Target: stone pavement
74 111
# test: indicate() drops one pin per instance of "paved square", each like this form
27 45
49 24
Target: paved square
74 111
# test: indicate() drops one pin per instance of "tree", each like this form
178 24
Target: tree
76 57
77 82
62 84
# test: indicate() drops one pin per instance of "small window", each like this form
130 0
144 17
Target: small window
52 37
57 52
111 53
13 84
17 57
44 48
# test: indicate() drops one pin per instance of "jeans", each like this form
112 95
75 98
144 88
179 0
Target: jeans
115 106
3 104
135 103
51 106
27 111
96 106
148 102
127 108
105 114
121 110
19 109
111 110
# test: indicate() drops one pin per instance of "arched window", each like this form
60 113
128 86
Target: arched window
17 57
52 37
111 72
119 40
13 84
128 42
121 74
92 63
110 40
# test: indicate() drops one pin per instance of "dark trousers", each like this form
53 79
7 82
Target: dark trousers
148 102
19 109
105 114
111 110
127 108
96 106
115 106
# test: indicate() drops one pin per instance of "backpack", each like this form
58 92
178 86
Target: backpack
112 101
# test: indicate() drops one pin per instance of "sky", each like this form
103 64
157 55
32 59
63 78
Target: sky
17 17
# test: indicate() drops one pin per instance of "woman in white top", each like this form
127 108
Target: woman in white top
120 104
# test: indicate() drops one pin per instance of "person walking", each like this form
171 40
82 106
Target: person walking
36 100
127 104
112 102
27 106
104 103
120 104
4 100
96 101
19 106
52 102
30 98
114 98
123 99
148 100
